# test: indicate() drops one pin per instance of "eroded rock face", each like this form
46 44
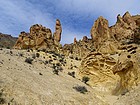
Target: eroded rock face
128 68
100 31
40 38
98 67
78 48
58 31
123 30
107 39
116 73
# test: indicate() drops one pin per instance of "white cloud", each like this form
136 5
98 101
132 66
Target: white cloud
24 13
108 8
19 15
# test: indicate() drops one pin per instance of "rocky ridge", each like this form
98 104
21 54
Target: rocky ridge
40 38
7 41
110 59
117 52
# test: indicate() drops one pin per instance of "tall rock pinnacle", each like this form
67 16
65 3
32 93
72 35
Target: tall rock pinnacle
58 31
100 31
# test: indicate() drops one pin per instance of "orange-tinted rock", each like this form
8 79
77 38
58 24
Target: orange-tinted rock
58 31
39 38
75 40
123 30
85 39
100 31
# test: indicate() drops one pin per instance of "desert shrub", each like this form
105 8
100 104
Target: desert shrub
54 59
55 66
55 71
71 57
79 59
81 89
75 66
31 50
37 55
2 100
72 74
33 56
50 61
43 50
85 79
54 56
28 60
11 52
60 68
61 60
40 74
8 47
58 64
46 62
28 50
76 58
20 54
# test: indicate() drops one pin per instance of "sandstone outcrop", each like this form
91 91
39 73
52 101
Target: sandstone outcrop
78 48
115 60
102 69
98 67
128 68
40 38
100 31
137 19
123 30
106 58
57 33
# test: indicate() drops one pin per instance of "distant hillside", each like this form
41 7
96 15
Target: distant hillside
7 41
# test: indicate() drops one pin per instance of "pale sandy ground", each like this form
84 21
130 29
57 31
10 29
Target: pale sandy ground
22 84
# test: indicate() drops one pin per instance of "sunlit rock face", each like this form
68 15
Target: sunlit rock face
110 58
116 56
58 31
40 38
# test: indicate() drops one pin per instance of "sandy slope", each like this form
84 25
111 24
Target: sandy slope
23 85
36 84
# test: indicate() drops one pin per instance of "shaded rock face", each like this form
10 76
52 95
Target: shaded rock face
114 65
7 41
39 38
79 48
100 31
98 67
58 31
123 30
128 68
116 73
137 19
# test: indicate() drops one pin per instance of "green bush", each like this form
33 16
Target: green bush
37 55
72 74
33 56
81 89
28 60
2 100
55 71
85 79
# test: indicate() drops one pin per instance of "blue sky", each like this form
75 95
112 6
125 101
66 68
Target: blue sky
76 16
